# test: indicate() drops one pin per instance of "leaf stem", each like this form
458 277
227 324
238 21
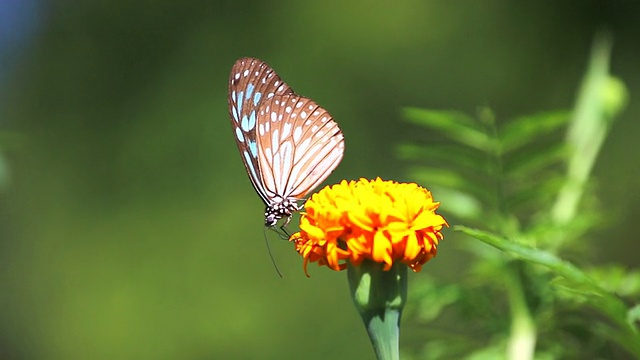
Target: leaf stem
522 337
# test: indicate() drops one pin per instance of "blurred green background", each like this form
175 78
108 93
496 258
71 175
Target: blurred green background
129 229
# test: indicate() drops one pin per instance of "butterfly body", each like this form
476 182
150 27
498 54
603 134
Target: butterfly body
288 143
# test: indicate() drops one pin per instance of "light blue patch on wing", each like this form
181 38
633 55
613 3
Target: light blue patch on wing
250 88
256 98
245 123
239 135
253 147
252 119
240 99
233 96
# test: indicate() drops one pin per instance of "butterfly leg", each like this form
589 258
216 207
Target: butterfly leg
282 232
283 227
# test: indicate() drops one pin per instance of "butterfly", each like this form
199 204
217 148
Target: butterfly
288 144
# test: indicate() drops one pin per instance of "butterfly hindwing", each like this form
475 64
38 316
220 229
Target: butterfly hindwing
301 145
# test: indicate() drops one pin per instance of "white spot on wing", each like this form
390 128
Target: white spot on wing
286 130
303 148
276 170
297 133
286 151
275 140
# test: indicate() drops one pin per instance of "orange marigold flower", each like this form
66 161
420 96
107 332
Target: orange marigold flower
384 221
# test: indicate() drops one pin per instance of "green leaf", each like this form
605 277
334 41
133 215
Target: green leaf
461 204
531 163
455 125
607 302
430 299
535 193
579 292
454 156
532 255
527 129
629 341
452 179
617 279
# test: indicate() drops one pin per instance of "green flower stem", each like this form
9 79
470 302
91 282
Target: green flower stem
379 297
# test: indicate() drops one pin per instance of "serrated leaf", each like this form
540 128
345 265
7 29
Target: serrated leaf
528 164
534 197
607 302
532 255
451 179
527 129
454 156
618 279
458 203
455 125
441 119
570 287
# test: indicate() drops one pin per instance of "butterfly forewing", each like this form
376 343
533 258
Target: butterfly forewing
301 145
251 82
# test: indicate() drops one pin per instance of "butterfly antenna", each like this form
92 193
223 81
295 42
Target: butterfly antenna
273 260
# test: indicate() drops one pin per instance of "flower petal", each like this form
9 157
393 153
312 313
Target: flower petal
379 220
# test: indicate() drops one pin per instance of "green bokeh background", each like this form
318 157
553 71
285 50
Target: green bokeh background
129 227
